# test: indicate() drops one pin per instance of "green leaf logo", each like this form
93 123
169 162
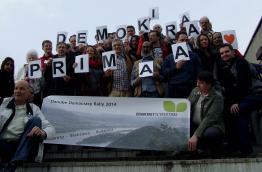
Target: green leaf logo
181 107
169 106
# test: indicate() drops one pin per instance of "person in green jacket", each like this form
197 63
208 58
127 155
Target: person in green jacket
206 126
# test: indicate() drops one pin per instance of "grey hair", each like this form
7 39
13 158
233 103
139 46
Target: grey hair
31 52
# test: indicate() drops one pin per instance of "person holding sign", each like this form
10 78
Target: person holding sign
119 79
217 42
147 80
36 83
91 83
206 126
62 71
181 75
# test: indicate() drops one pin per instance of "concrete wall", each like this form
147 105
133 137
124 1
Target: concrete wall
205 165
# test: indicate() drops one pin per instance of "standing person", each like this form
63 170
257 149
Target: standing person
91 83
206 26
7 78
206 126
60 85
73 47
22 127
241 98
119 79
36 84
132 48
45 59
131 31
205 52
181 76
148 86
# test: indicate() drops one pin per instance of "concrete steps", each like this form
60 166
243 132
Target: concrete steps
203 165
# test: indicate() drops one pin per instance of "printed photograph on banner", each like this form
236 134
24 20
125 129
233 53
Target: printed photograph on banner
121 32
145 69
34 69
82 63
154 13
154 123
81 37
184 18
180 52
171 29
144 24
109 60
192 29
229 36
59 67
61 36
101 33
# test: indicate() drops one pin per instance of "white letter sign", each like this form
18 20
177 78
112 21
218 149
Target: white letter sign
180 52
82 62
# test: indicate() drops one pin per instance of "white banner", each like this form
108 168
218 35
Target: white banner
117 122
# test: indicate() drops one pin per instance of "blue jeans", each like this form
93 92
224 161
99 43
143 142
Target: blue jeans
24 149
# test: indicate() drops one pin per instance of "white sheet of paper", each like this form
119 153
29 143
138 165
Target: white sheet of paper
81 37
180 52
121 31
146 26
103 31
154 13
146 72
171 26
229 36
61 38
193 26
183 17
108 59
62 67
33 65
82 62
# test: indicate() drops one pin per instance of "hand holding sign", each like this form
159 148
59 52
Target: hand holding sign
146 69
180 52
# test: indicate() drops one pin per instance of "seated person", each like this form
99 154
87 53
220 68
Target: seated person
22 127
206 126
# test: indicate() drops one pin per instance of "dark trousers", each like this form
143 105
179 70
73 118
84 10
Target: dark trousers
24 149
246 107
211 140
177 91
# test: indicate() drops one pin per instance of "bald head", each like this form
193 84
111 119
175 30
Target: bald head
205 23
22 92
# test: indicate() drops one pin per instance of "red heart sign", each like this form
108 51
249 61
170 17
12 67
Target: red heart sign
229 38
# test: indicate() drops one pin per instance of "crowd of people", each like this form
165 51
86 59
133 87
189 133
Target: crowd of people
217 80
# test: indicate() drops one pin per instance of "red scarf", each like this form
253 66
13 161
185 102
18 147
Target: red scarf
95 64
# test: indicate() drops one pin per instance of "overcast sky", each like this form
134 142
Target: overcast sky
24 24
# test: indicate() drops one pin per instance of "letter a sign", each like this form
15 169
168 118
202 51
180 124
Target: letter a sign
180 52
145 69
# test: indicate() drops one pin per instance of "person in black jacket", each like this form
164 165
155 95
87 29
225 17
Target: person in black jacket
7 78
235 77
